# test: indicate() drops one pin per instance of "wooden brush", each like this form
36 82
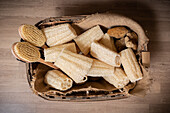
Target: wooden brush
28 53
32 34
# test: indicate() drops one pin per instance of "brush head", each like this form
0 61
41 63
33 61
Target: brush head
32 34
25 52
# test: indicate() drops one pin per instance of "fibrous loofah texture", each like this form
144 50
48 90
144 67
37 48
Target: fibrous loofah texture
104 54
108 42
32 34
85 39
100 69
27 52
74 65
109 20
130 65
52 53
119 79
58 80
59 34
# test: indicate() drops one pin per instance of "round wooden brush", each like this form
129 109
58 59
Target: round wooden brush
28 53
32 34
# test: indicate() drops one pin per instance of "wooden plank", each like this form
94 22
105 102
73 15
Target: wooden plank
105 107
17 108
159 108
25 11
17 97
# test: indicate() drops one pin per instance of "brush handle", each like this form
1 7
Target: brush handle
44 46
47 63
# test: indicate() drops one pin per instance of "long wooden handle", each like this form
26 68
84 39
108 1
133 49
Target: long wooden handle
44 46
47 63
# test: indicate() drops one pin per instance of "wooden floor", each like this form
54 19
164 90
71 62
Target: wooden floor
15 94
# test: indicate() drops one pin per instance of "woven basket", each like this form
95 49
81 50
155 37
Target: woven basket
82 95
